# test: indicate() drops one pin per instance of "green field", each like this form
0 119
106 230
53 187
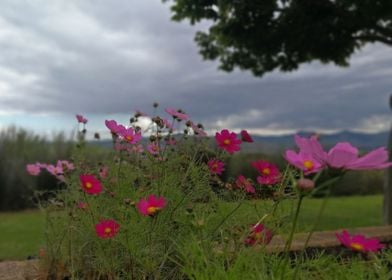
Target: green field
22 233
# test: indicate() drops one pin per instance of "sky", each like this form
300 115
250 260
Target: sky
106 59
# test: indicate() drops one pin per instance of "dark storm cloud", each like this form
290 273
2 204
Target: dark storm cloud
107 57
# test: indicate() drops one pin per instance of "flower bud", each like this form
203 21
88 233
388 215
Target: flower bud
305 185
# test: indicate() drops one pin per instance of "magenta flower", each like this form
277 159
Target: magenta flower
107 229
246 137
33 169
153 148
81 119
177 115
90 184
259 234
151 206
114 127
243 183
228 141
303 161
130 135
269 173
216 166
359 242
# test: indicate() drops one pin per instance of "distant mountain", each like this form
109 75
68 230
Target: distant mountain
363 141
277 144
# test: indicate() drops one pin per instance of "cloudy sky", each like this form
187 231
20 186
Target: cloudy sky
105 59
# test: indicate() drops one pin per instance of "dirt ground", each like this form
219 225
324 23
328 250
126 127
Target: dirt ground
19 270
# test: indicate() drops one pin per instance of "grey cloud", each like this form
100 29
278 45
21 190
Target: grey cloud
107 57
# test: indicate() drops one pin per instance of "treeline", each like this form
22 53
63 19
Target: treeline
19 147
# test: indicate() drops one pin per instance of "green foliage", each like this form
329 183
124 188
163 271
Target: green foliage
262 36
19 147
23 232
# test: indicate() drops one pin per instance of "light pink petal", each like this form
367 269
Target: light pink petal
376 159
341 155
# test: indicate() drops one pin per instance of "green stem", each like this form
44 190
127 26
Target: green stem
291 237
296 215
314 227
226 218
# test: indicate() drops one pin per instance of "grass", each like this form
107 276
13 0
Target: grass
22 233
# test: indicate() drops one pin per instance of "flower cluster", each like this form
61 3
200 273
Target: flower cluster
56 170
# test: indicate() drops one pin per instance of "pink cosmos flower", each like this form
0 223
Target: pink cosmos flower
65 164
90 184
114 127
55 170
246 137
82 205
177 115
151 206
137 149
216 166
171 141
119 146
107 229
311 146
259 234
81 119
33 169
303 161
130 135
243 183
228 141
359 242
197 130
343 155
269 172
153 148
103 172
167 124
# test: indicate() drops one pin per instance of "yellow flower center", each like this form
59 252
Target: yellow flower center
266 171
215 166
258 235
107 230
308 164
88 185
356 246
152 210
226 142
129 138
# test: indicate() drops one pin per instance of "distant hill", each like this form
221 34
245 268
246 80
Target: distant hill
364 141
276 144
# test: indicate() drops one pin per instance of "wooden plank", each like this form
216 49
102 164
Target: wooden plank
326 239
